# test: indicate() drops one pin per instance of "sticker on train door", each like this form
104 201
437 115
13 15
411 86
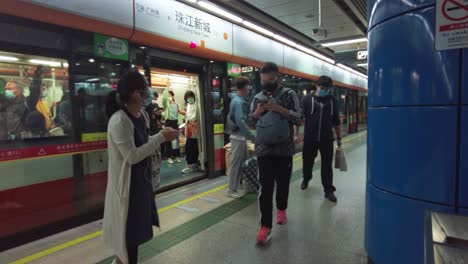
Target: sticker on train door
110 47
451 30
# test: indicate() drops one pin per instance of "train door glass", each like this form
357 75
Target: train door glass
352 111
341 97
173 89
362 111
93 79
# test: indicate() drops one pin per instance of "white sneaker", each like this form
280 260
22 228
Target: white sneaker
233 194
170 161
178 160
187 170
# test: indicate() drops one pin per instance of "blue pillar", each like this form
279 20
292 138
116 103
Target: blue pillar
418 129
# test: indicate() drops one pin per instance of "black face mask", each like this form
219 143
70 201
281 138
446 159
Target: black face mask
269 87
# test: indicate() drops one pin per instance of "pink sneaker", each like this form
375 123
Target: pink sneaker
264 235
281 218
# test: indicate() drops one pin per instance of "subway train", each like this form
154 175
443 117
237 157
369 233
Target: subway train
58 62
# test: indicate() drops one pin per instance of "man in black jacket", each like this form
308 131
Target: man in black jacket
321 116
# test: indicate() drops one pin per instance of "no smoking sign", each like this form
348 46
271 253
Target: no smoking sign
451 24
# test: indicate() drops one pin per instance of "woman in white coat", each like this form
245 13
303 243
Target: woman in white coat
130 209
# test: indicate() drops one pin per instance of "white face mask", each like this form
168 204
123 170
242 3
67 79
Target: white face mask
154 102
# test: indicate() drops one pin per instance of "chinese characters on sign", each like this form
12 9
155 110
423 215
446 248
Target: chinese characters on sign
193 22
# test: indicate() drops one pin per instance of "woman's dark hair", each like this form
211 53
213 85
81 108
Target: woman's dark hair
188 94
129 82
242 82
325 81
171 93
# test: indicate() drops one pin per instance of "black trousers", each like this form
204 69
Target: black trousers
309 153
191 151
273 169
169 152
132 255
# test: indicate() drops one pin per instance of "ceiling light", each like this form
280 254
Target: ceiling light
344 42
315 54
8 58
257 28
65 65
220 11
362 65
192 1
285 40
91 60
48 63
351 70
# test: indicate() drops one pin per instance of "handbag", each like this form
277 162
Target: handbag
340 160
192 129
155 160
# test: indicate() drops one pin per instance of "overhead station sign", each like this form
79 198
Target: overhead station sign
351 56
451 30
181 22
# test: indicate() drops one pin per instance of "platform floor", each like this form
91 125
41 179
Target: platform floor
201 225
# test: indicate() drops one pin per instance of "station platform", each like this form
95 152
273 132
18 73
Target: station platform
200 224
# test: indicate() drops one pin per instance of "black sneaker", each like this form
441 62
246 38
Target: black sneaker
304 184
331 196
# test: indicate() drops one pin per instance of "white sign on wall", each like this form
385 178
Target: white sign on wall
113 11
451 30
171 19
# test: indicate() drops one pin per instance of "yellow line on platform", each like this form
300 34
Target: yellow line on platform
87 237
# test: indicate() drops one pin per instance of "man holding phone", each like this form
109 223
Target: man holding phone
274 112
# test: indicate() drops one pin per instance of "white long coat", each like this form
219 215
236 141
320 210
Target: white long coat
122 155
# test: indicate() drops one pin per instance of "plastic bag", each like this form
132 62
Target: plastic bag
340 160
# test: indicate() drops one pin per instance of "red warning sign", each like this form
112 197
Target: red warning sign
455 10
451 30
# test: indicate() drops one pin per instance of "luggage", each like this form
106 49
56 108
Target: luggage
249 173
340 160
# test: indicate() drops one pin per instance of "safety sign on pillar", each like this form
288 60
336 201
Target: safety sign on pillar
451 30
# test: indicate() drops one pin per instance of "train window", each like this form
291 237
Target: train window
93 80
34 101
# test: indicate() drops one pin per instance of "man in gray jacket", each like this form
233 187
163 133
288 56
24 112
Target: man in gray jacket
240 133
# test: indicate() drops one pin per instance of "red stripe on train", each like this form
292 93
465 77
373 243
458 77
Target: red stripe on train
32 206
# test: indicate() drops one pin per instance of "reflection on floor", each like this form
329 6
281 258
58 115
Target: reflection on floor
172 173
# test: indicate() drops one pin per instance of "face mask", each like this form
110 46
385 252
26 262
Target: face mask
149 99
154 101
44 94
9 94
322 93
191 100
269 87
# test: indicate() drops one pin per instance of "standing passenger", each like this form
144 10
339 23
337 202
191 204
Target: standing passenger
172 112
274 111
240 133
321 117
192 133
130 209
